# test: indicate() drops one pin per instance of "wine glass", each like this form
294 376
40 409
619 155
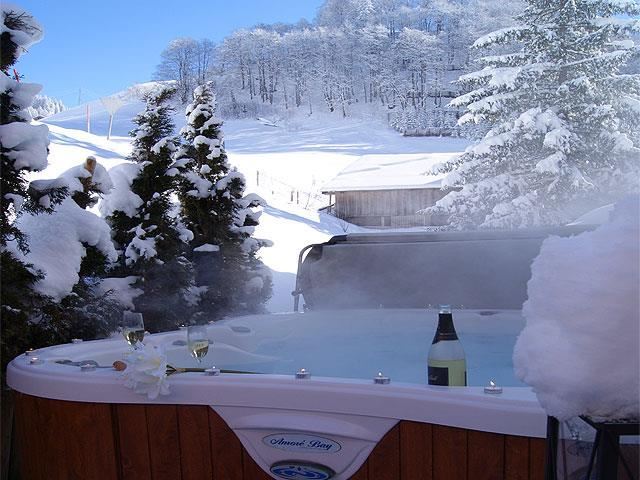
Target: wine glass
198 342
132 328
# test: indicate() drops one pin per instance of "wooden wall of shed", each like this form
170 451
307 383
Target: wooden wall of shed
387 208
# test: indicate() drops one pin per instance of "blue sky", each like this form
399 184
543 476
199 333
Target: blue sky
102 47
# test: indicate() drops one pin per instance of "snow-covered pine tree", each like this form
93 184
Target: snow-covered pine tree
149 233
220 216
43 106
564 124
23 149
77 307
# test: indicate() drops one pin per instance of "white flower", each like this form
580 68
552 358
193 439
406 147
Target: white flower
146 372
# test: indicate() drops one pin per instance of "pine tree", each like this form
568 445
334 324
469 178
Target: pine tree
220 216
23 149
564 124
152 238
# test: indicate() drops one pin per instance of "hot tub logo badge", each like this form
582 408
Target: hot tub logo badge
294 470
301 442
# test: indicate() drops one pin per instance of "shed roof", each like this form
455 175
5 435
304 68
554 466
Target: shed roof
390 172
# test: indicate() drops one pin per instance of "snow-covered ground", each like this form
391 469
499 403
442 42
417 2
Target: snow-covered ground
287 165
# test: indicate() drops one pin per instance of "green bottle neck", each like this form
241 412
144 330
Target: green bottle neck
445 330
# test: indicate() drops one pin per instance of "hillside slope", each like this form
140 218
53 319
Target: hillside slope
287 165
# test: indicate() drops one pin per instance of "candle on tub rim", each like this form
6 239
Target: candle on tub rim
303 373
381 379
213 371
35 361
492 388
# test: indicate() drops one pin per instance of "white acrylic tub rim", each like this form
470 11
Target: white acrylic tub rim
515 412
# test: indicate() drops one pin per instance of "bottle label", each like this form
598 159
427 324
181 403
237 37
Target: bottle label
438 376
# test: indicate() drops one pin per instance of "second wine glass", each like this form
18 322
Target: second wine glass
198 342
133 328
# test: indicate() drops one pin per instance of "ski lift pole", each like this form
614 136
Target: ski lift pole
110 125
111 104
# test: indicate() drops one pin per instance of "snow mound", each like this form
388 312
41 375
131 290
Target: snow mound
56 245
579 349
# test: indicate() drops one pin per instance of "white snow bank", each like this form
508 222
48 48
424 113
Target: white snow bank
579 349
56 245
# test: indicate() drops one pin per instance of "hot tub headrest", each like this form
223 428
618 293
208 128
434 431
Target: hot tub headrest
485 269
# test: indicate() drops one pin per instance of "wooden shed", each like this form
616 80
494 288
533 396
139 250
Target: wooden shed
383 191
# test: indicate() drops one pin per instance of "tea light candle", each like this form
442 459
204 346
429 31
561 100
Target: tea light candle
35 361
87 367
381 379
492 388
303 373
29 352
76 340
213 371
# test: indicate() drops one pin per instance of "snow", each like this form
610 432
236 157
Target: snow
579 349
498 35
504 77
55 244
163 143
141 246
207 247
273 162
597 216
223 183
385 172
19 37
550 164
26 144
121 198
100 178
202 185
22 94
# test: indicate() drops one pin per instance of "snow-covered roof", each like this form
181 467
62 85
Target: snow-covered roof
390 172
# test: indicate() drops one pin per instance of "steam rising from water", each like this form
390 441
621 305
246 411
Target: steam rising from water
482 270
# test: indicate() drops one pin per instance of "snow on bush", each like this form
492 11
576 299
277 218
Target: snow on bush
100 179
30 32
121 198
579 349
56 245
26 144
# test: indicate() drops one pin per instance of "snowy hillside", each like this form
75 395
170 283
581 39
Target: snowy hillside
288 165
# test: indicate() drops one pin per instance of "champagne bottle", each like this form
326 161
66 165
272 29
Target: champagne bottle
446 364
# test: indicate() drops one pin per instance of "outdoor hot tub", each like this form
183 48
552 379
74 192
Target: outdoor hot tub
78 423
369 303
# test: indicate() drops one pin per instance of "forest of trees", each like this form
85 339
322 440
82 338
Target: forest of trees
43 106
393 59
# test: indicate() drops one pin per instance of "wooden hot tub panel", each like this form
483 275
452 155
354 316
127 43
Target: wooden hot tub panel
60 440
